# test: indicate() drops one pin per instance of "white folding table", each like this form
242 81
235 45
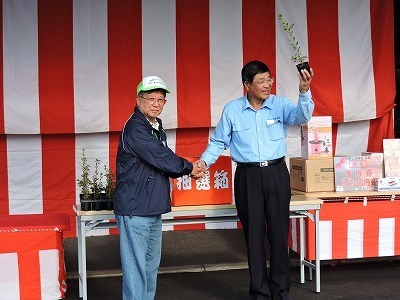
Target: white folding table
301 206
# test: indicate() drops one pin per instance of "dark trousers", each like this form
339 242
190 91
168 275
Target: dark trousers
262 196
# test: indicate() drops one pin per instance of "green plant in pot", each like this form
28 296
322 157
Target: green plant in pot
110 186
97 188
97 191
299 59
84 183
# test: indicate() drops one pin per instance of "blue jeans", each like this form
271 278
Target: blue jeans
140 247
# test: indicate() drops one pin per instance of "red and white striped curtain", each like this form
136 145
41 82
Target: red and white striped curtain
70 70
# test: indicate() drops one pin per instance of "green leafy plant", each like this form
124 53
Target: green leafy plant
288 28
100 184
97 185
84 182
110 182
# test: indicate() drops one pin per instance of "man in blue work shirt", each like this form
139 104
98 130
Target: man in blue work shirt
254 128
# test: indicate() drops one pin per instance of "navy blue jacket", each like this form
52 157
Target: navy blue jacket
144 166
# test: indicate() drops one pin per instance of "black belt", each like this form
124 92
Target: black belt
261 164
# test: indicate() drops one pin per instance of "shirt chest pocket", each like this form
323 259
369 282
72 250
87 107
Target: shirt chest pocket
241 131
240 126
275 130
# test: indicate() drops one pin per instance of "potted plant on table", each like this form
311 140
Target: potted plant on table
97 187
299 59
103 194
97 191
109 187
84 183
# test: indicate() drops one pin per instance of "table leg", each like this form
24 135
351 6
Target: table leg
302 236
78 223
317 259
82 259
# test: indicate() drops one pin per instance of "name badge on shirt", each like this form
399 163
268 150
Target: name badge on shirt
270 121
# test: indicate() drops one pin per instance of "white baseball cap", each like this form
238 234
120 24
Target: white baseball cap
151 83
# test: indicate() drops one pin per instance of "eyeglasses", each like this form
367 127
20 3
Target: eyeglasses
269 80
160 101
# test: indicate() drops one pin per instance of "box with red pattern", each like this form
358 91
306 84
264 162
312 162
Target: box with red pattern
316 138
357 173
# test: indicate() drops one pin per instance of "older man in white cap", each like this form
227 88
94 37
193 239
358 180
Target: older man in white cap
145 165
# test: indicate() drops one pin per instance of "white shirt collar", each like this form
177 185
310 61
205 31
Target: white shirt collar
155 125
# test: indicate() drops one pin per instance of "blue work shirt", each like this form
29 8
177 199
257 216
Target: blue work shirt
257 135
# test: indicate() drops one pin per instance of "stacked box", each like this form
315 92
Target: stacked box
316 138
391 155
312 175
357 173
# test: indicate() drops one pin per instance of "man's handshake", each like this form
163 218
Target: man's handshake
199 169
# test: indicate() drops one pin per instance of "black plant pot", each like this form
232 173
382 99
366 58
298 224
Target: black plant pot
102 203
97 204
303 65
109 204
86 205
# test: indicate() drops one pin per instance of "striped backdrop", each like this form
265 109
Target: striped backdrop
70 70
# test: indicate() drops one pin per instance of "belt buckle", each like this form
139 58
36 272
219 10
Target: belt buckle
264 163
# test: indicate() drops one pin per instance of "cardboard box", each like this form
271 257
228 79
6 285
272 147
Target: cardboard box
391 155
357 173
311 175
316 138
388 183
214 188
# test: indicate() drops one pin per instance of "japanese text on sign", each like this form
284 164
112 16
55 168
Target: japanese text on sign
220 181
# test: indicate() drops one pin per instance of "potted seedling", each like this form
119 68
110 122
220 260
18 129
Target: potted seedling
298 58
97 191
97 188
84 183
109 187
